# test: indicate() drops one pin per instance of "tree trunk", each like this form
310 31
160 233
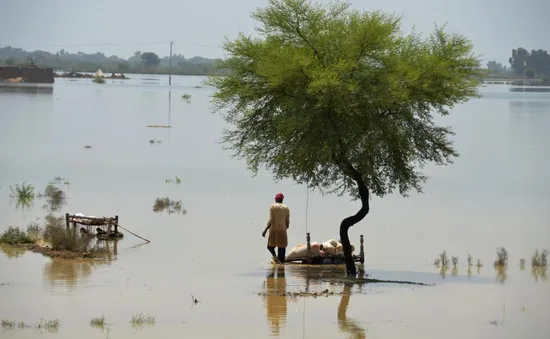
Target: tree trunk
349 222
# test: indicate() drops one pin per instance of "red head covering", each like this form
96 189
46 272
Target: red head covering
279 196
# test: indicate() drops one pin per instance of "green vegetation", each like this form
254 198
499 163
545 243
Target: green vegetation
23 191
55 197
51 326
24 195
48 325
146 62
341 101
98 322
177 180
55 233
470 261
62 239
171 206
186 97
98 80
502 257
139 320
540 259
15 235
522 264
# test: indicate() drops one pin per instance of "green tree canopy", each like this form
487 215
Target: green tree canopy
341 100
150 59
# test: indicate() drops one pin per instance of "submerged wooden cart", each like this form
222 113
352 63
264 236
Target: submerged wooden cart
106 227
330 259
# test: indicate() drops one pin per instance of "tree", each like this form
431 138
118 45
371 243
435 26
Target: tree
342 101
496 67
150 59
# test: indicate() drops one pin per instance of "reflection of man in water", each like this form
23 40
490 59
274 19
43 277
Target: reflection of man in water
275 299
279 221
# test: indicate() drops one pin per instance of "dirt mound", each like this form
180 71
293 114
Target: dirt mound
47 251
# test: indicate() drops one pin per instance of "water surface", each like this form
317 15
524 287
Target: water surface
496 194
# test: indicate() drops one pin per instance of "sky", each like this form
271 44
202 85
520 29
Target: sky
117 27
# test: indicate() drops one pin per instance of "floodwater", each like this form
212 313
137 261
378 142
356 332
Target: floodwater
496 194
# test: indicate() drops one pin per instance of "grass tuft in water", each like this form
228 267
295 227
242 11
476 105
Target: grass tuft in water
479 264
139 320
177 180
23 191
24 194
171 206
470 260
49 325
522 264
186 97
98 322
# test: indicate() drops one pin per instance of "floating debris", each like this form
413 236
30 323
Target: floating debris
158 126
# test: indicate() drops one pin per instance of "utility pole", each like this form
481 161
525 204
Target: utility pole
170 74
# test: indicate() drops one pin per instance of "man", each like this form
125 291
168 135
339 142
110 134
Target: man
279 221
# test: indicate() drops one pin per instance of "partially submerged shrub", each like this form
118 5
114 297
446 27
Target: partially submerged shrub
443 259
24 195
454 260
63 239
34 231
479 264
186 97
98 322
502 257
171 206
48 325
15 235
55 197
23 191
141 320
540 259
470 260
522 263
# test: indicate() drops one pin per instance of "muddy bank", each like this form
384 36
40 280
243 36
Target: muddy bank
47 251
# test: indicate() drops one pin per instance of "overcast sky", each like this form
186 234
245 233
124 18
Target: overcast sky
199 27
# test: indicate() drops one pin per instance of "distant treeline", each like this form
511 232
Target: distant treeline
146 62
534 65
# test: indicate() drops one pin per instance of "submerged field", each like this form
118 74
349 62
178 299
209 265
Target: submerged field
205 272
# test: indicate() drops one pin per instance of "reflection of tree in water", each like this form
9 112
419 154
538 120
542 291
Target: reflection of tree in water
539 273
502 273
275 299
12 252
71 272
346 324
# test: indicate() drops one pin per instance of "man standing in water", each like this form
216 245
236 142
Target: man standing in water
279 221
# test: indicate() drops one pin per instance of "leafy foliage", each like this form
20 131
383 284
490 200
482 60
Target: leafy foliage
15 235
62 238
327 96
534 63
